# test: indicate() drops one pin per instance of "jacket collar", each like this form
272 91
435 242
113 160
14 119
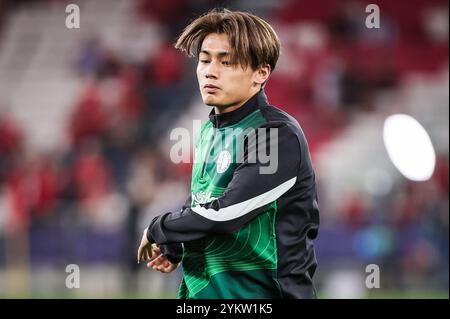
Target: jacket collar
233 117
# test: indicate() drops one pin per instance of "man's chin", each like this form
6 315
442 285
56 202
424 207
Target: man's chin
211 101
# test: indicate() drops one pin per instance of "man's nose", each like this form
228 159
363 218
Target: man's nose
212 71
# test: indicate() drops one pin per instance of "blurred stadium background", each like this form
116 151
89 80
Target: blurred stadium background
85 117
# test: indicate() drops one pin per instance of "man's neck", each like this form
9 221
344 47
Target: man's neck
226 109
229 108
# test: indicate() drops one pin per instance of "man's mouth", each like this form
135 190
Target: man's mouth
209 88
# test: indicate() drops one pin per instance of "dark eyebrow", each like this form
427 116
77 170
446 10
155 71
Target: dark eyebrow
220 54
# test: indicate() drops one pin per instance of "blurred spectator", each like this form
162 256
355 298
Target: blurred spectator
90 58
44 177
130 104
169 13
89 118
11 143
167 66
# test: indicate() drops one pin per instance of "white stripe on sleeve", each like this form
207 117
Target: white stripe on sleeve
240 209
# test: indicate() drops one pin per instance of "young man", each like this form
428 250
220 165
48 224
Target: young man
247 230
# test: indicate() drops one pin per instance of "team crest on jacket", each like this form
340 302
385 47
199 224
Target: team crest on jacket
223 161
202 198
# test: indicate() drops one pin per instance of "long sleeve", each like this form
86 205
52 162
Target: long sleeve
254 185
174 251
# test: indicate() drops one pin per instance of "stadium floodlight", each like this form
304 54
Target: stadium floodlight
409 147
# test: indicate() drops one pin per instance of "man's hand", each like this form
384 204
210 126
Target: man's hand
145 252
161 263
152 254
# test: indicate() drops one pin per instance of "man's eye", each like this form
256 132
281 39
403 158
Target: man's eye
204 61
226 63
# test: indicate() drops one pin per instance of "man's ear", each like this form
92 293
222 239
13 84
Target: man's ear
262 74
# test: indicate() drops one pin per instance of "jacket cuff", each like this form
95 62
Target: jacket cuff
173 252
149 235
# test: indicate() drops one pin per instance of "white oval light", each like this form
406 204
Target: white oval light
409 147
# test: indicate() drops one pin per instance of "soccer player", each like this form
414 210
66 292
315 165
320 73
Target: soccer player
247 229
